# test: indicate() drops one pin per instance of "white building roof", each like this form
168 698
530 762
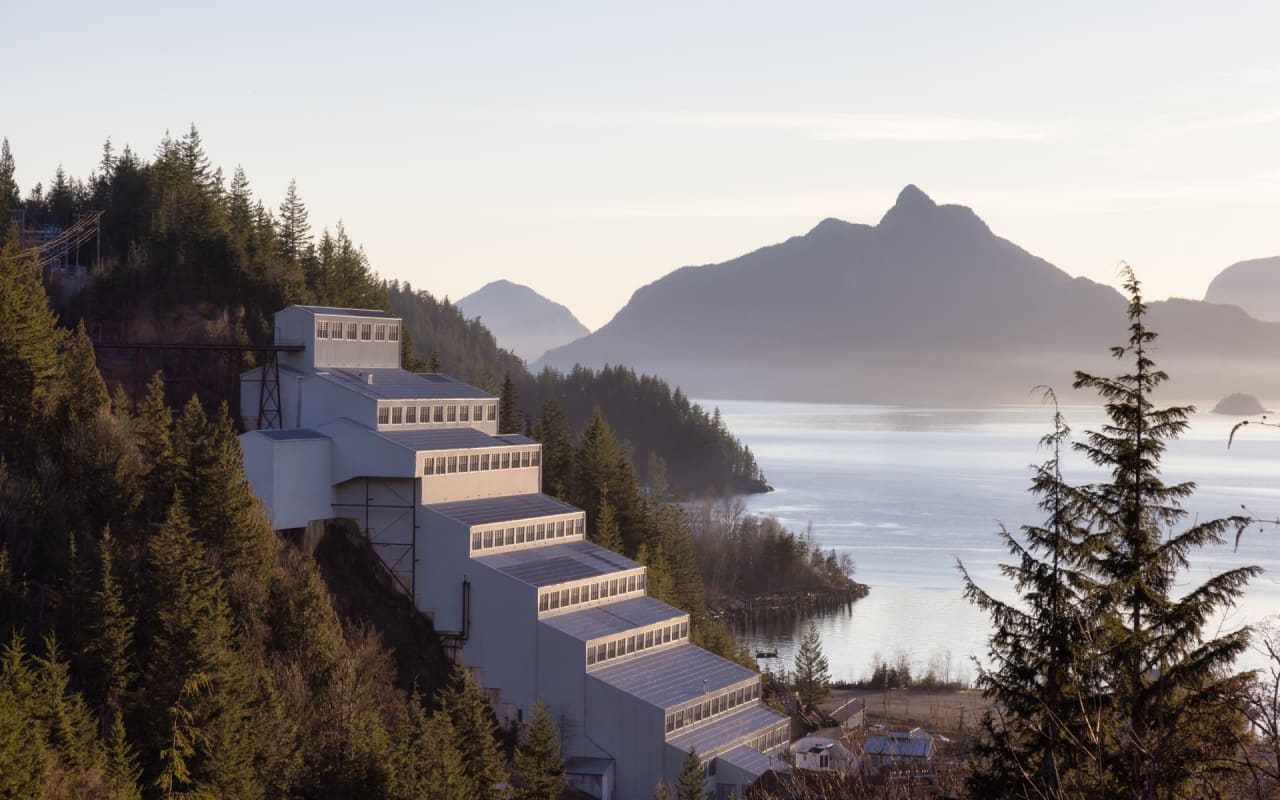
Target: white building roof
729 730
558 563
393 383
289 434
422 439
347 312
668 678
751 761
617 617
509 508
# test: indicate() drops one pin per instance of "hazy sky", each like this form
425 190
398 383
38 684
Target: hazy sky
586 149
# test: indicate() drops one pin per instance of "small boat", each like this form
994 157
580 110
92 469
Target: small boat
771 653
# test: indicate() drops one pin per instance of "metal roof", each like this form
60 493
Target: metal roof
509 508
347 312
444 438
751 761
667 678
515 438
730 730
611 618
393 383
900 744
558 563
290 434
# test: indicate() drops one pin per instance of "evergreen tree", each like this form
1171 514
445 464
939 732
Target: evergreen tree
552 430
606 533
430 763
1040 672
1166 677
813 674
294 230
689 786
473 724
601 467
29 344
155 441
22 737
539 769
509 408
111 646
71 728
9 197
123 771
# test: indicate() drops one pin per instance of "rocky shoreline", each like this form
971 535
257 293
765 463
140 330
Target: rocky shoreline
780 605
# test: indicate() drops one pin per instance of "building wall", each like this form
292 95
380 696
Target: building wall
358 451
503 639
562 683
259 466
472 485
294 324
291 477
444 563
631 732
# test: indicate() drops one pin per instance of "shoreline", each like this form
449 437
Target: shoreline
804 602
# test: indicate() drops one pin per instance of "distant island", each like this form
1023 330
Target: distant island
1239 404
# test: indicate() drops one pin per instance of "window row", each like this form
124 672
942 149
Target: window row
523 534
358 331
425 415
479 462
767 741
587 593
635 643
708 708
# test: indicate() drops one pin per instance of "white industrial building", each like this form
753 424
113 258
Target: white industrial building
506 573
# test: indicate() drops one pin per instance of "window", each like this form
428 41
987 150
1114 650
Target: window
613 649
384 415
648 639
573 596
600 651
542 531
640 582
484 461
671 722
684 630
560 529
543 602
397 415
439 414
697 713
351 330
591 656
555 599
393 333
488 539
475 463
613 587
322 329
475 540
411 415
440 465
453 464
520 534
428 466
479 413
582 526
666 634
524 458
631 583
453 413
462 463
366 331
379 332
424 414
506 461
595 591
493 411
465 414
564 597
511 535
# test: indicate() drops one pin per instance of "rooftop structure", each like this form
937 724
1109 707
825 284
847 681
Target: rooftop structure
508 574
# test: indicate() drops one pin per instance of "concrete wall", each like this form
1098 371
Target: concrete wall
504 636
631 732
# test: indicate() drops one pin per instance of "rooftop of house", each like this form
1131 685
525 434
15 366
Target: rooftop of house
668 678
613 618
752 761
393 383
915 743
508 508
563 562
290 434
346 312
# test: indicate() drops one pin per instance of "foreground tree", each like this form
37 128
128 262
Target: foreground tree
539 770
690 784
1128 696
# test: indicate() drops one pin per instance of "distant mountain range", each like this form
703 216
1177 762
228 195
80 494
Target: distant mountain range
1252 285
928 306
523 321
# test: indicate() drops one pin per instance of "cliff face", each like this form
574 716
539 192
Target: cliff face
927 306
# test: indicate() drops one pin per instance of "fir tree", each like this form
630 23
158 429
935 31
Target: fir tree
552 430
294 230
9 196
606 533
111 646
123 771
690 785
155 441
22 737
430 763
71 727
539 769
812 674
473 724
509 408
29 344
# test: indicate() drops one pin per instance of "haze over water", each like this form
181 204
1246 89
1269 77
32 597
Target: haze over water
908 491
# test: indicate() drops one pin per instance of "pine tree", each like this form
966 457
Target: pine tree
690 785
110 649
429 762
1040 672
30 341
606 533
552 430
22 736
473 723
9 196
123 771
539 769
155 440
71 728
813 674
509 408
1166 677
83 395
294 230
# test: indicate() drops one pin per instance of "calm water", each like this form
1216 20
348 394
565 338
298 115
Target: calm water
908 492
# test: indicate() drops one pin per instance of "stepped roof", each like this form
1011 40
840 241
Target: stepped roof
551 564
669 678
393 383
508 508
448 439
729 730
613 618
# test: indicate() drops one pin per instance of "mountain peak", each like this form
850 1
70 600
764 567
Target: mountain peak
911 206
912 197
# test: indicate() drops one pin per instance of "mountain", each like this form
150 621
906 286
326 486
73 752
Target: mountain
1253 285
524 322
928 306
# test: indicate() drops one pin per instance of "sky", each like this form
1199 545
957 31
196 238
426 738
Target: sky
587 149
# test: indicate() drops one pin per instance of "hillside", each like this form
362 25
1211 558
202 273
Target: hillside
523 321
928 306
1253 285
